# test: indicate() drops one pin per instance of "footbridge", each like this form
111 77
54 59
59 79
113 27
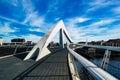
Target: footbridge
45 63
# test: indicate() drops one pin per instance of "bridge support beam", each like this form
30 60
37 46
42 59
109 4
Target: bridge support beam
45 40
106 58
61 39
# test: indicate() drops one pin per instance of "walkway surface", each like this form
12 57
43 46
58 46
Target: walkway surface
52 67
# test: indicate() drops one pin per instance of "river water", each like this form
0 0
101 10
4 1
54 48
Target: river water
113 67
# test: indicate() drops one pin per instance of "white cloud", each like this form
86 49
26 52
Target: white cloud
72 29
33 19
78 20
31 37
116 10
81 19
7 38
5 29
12 2
101 22
32 16
35 29
54 5
12 20
80 33
111 34
96 4
74 32
101 3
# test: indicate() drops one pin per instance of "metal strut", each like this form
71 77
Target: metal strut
105 60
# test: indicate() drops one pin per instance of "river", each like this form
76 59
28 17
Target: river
113 68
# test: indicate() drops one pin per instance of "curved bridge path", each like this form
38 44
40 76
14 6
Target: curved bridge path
52 67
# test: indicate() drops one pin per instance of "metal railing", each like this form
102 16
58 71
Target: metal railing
97 72
101 47
107 53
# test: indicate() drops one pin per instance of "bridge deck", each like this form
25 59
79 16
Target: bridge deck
54 67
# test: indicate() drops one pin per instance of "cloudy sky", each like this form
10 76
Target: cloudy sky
84 19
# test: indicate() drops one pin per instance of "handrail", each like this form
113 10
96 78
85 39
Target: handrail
112 48
97 72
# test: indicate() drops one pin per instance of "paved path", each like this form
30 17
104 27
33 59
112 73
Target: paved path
52 67
11 66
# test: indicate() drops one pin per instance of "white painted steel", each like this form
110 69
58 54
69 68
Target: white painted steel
102 47
45 40
105 60
97 72
61 38
73 68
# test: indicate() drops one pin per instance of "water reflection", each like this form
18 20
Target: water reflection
113 68
97 56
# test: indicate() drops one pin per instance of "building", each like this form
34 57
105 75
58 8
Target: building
18 41
1 41
28 43
51 44
81 42
97 42
113 42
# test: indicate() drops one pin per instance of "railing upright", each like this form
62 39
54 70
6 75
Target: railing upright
97 72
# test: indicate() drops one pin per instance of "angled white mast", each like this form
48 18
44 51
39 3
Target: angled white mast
41 46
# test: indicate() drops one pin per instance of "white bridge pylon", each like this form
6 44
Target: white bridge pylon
42 44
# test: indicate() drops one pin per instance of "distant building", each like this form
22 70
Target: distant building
97 42
1 41
28 43
18 41
51 44
113 42
81 42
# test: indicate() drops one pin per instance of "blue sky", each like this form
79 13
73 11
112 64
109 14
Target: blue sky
31 19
